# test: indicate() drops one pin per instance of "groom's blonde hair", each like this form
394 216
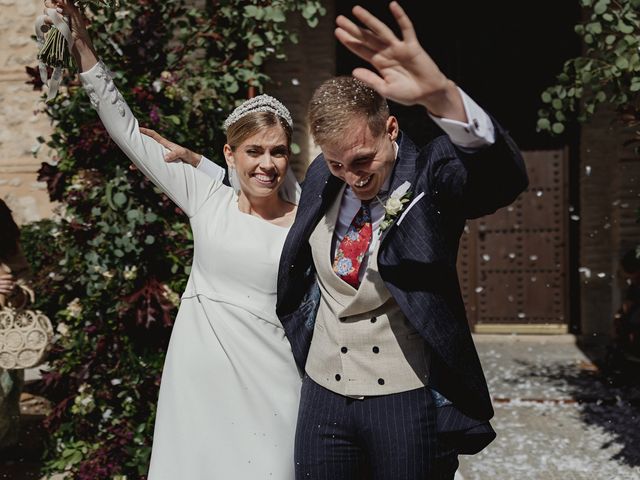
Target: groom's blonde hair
340 100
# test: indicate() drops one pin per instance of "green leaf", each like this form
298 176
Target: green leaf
544 124
601 7
149 239
150 217
252 11
595 28
134 215
622 63
295 148
309 11
624 28
546 97
255 41
557 128
610 39
278 15
174 119
119 199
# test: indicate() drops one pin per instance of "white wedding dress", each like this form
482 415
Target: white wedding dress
230 388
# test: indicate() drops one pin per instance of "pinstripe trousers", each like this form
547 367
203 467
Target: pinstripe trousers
386 437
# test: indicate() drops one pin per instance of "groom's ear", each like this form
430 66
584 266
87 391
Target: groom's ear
392 128
228 155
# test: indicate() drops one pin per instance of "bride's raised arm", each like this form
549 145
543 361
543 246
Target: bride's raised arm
186 186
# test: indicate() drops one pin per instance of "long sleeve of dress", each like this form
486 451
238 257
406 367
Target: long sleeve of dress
188 187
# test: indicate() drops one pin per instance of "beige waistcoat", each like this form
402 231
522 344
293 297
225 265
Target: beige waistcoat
362 343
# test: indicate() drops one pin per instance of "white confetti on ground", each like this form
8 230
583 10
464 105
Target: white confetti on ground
557 417
538 441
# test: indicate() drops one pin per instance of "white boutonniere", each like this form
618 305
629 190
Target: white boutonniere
395 204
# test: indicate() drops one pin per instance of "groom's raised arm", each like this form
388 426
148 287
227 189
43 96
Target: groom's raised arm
479 169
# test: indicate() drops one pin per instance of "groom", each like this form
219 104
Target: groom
367 289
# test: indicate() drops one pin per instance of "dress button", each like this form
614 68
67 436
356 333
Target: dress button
381 381
338 377
343 349
375 350
374 319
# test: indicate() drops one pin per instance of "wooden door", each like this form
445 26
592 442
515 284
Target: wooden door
513 264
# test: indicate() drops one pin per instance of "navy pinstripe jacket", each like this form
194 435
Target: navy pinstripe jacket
417 258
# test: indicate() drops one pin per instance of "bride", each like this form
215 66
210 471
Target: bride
230 388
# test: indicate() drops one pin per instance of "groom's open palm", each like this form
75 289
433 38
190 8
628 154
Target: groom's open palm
405 72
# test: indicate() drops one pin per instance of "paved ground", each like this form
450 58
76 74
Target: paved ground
557 417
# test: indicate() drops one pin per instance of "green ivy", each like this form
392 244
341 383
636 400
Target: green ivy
110 267
608 72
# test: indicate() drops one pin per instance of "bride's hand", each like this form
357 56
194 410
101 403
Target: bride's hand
77 20
82 46
176 152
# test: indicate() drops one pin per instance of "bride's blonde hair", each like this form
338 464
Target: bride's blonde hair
252 123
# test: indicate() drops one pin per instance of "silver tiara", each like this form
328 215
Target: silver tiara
261 103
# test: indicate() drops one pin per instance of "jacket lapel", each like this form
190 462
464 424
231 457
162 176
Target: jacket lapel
403 171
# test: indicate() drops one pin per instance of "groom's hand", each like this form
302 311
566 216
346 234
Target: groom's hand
405 72
176 153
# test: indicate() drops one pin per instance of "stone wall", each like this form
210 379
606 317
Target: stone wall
19 125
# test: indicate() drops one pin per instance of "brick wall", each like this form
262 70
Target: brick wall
308 64
609 177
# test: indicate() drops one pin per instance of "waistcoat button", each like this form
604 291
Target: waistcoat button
375 349
381 381
343 349
338 377
373 319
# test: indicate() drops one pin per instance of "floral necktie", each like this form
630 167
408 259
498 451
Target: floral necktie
353 247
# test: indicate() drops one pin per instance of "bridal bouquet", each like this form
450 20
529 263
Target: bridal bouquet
54 43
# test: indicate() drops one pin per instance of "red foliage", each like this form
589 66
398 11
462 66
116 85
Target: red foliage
150 304
55 180
34 77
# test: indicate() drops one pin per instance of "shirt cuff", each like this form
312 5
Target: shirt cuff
214 171
478 133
